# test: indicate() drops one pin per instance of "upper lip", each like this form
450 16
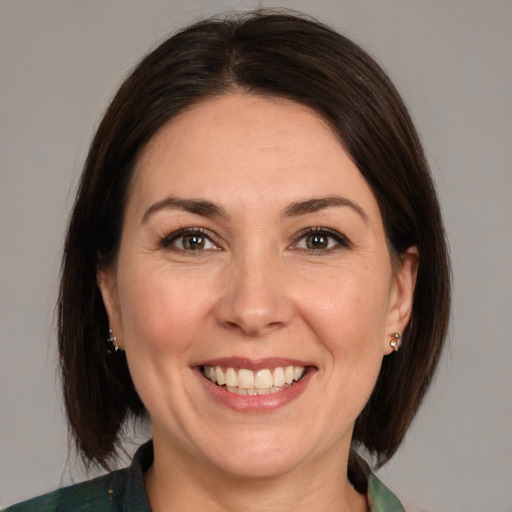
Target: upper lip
253 364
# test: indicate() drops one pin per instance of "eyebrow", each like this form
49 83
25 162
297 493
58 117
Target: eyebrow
197 206
209 209
321 203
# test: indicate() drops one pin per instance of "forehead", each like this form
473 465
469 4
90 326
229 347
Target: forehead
257 149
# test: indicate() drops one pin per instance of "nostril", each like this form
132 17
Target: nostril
254 327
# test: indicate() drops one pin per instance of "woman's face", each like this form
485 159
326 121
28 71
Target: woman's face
251 244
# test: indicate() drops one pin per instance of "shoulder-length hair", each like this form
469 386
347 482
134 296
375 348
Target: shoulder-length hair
273 55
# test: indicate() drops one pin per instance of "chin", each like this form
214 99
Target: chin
256 458
258 468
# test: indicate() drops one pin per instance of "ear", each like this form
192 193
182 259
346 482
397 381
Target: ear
402 294
107 283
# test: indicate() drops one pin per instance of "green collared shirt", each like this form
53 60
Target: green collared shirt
123 491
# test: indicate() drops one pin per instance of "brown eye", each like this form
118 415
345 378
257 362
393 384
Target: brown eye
321 240
317 241
189 239
193 242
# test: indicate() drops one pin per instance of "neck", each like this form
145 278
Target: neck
177 482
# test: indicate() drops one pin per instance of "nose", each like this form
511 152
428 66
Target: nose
255 301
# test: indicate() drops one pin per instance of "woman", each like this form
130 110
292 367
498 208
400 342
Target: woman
256 261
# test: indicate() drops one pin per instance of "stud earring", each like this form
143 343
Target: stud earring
112 345
395 341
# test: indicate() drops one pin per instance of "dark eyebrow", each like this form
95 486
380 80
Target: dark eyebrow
321 203
198 206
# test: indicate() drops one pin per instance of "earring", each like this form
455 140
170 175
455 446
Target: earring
112 345
395 341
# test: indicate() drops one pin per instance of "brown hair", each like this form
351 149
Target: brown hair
269 54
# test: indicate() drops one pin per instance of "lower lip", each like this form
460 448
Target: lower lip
256 403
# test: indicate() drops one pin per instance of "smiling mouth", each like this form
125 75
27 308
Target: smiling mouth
243 381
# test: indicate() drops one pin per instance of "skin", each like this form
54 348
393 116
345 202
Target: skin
258 288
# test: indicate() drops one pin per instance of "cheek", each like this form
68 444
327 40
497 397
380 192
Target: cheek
161 309
347 318
347 315
347 310
163 322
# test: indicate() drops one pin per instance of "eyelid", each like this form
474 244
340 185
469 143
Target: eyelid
166 241
342 240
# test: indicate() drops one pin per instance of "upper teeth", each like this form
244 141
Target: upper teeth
243 379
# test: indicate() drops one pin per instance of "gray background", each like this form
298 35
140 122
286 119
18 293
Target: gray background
60 62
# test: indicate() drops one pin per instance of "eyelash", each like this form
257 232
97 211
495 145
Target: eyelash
168 240
341 241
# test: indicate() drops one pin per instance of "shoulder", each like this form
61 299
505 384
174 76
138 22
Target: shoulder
83 497
380 498
120 491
